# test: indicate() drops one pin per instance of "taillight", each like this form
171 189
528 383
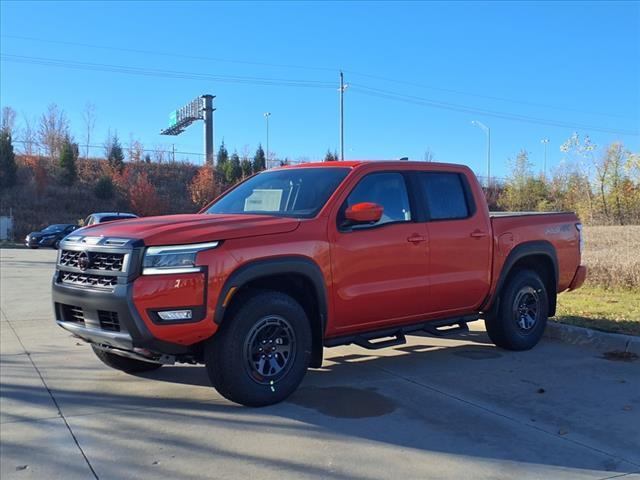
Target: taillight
580 237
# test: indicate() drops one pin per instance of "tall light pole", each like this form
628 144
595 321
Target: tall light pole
266 116
342 88
544 141
486 130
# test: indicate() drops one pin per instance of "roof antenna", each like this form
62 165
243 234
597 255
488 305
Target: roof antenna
404 159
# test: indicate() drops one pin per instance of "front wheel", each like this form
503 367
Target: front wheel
262 350
56 245
522 314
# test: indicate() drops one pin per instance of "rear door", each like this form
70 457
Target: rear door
459 243
380 270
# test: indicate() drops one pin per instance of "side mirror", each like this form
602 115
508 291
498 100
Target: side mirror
364 212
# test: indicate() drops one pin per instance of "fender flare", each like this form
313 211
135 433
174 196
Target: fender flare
277 266
523 250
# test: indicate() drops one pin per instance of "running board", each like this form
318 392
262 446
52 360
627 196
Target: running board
445 331
437 328
398 339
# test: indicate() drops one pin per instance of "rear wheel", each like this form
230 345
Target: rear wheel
129 365
56 245
262 350
522 314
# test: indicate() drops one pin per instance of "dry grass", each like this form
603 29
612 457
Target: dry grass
610 299
612 255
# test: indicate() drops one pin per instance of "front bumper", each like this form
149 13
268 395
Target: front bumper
94 306
39 242
109 302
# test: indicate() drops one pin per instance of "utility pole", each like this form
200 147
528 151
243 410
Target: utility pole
266 116
208 128
487 131
343 87
545 141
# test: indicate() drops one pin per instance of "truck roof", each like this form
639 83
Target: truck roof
357 163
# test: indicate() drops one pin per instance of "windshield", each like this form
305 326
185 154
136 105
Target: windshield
54 228
292 192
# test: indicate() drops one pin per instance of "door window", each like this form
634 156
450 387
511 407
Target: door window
445 195
385 189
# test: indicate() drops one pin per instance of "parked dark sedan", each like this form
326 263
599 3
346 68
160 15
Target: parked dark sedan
50 236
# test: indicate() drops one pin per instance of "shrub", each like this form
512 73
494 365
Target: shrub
104 189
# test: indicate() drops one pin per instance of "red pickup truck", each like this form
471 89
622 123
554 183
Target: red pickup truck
295 259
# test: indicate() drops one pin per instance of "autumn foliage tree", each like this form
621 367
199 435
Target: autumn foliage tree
205 186
143 197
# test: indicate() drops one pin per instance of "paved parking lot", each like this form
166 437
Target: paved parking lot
433 408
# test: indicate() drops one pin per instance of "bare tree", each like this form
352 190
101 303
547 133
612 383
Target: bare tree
29 137
8 120
136 149
53 129
429 156
89 117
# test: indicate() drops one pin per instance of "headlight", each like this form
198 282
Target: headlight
173 258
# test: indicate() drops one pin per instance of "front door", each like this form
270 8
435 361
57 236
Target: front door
380 270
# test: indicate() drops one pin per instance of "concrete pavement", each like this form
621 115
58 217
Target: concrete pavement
433 408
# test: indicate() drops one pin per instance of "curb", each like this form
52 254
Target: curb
592 338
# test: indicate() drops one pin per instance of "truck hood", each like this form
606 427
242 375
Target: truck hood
193 228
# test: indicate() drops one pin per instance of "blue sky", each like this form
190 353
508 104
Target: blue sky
576 64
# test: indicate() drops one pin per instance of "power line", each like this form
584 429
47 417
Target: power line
102 67
478 95
309 67
166 54
390 95
124 147
366 90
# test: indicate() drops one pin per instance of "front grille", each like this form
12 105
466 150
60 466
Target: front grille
111 262
88 280
69 258
72 314
107 261
109 320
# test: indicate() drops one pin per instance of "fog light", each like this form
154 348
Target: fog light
175 315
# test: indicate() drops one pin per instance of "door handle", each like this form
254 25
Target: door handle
415 238
478 234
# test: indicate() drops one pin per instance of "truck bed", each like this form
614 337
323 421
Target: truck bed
523 214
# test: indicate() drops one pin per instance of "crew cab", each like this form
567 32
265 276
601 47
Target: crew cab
295 259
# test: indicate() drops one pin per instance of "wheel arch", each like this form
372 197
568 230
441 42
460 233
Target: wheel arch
299 277
539 256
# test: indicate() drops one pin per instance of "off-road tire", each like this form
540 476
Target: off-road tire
230 358
129 365
523 291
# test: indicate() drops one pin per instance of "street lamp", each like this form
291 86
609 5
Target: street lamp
486 130
545 141
266 116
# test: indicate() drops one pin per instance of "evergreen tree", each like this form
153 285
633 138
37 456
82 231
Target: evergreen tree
8 167
245 166
116 155
68 161
223 157
259 160
331 156
233 170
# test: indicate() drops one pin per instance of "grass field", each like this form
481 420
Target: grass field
610 298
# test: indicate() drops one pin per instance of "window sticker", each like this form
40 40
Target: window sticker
263 200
